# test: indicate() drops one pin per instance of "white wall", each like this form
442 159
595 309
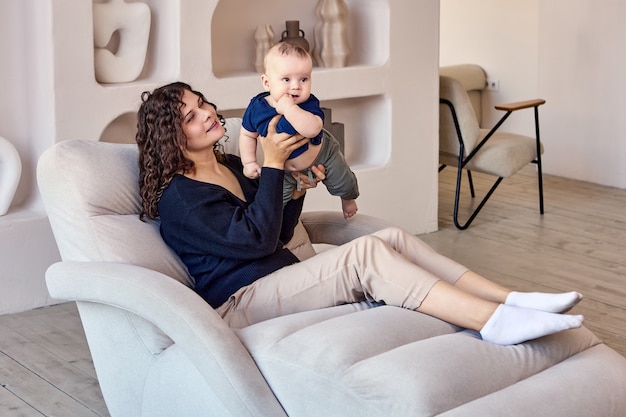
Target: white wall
571 54
581 72
27 247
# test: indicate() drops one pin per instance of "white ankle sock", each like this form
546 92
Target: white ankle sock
512 325
551 303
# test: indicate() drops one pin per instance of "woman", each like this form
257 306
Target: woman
229 231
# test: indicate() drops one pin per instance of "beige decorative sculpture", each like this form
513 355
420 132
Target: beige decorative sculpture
10 172
132 22
331 34
264 39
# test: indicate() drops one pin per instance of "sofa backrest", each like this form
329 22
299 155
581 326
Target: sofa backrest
91 194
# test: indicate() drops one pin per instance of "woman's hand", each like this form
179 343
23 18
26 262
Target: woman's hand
278 146
320 175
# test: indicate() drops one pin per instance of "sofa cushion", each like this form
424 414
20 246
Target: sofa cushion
318 360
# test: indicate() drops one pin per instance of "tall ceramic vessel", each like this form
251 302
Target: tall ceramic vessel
294 34
10 173
331 34
132 22
264 39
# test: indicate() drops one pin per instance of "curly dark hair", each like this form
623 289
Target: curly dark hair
161 142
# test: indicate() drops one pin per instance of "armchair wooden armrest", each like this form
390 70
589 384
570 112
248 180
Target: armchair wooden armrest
519 105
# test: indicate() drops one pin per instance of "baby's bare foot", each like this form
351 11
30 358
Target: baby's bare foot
349 208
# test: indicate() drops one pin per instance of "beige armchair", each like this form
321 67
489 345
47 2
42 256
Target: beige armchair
494 151
160 350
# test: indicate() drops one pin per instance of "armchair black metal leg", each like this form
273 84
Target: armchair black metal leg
477 210
540 184
538 161
471 183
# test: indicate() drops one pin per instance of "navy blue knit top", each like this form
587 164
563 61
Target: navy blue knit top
227 243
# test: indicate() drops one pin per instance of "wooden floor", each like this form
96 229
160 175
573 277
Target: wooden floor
579 243
45 366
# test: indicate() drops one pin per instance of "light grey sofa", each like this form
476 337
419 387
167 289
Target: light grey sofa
160 350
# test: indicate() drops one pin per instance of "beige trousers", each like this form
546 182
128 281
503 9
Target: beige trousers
391 266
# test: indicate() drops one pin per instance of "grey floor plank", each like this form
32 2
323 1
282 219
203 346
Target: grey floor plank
37 393
46 362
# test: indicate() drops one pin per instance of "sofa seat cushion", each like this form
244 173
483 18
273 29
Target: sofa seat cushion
389 361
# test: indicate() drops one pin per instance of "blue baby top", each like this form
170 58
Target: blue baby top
259 113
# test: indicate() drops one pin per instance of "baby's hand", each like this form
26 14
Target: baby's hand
252 170
284 103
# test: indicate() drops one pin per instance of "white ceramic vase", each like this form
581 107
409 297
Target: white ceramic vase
331 34
132 22
10 173
264 39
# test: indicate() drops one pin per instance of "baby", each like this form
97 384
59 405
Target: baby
287 84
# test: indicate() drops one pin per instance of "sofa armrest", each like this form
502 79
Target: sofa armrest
183 316
330 227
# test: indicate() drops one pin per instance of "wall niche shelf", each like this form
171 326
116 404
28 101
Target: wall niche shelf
351 91
367 139
368 26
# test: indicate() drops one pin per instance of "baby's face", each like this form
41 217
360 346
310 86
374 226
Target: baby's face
288 74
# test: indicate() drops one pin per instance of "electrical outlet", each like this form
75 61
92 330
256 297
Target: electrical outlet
493 85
